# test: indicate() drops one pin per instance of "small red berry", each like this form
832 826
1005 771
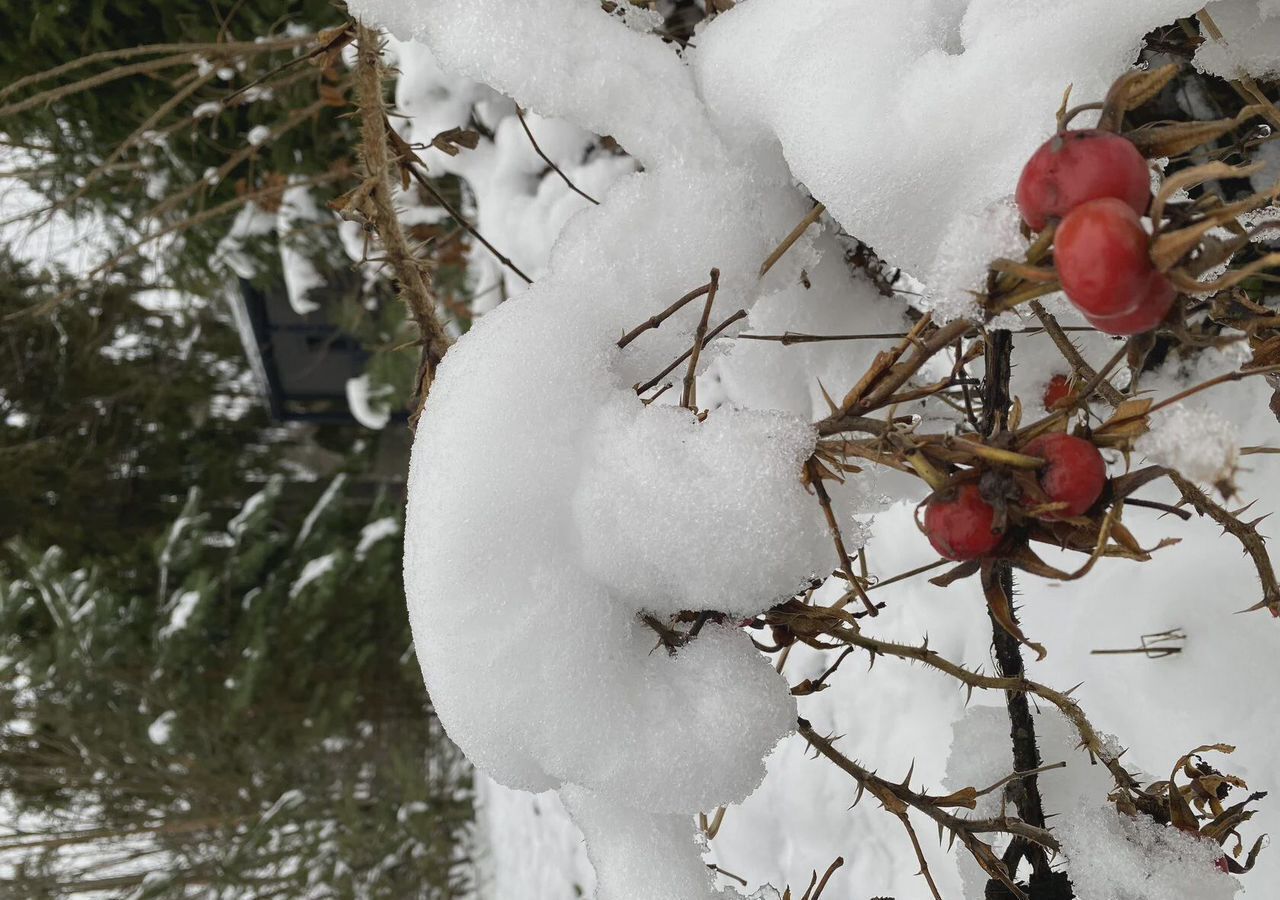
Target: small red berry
959 523
1075 474
1101 251
1059 389
1152 310
1074 167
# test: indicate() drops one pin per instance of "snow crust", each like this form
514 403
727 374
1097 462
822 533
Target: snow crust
1251 45
1198 442
972 241
1111 856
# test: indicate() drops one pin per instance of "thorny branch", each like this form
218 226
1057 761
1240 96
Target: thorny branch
1006 642
1072 355
898 797
372 201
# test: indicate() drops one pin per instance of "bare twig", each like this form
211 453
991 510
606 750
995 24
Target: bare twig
791 238
147 125
185 52
426 185
886 386
898 797
1073 357
689 397
549 161
715 332
846 564
657 320
334 41
1244 532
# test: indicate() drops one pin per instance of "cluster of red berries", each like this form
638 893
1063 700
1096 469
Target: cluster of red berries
962 525
1096 185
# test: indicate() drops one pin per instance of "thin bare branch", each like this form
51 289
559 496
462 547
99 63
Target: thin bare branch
550 162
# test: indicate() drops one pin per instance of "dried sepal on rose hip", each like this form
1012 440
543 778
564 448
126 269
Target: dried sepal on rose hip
961 524
1074 167
1074 472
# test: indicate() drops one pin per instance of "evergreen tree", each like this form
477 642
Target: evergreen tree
150 126
109 411
258 729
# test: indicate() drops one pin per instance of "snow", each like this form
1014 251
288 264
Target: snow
33 233
258 135
659 481
158 732
907 137
375 531
1198 442
499 552
330 494
541 855
314 570
250 222
180 610
517 203
298 212
964 259
370 407
1251 45
548 506
1111 856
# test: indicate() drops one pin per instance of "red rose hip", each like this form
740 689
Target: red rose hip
1059 389
959 523
1074 167
1075 473
1102 254
1152 310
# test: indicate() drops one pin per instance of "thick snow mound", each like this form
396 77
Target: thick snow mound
548 507
901 116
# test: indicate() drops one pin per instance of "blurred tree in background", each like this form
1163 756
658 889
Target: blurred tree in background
128 136
110 411
207 686
257 729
